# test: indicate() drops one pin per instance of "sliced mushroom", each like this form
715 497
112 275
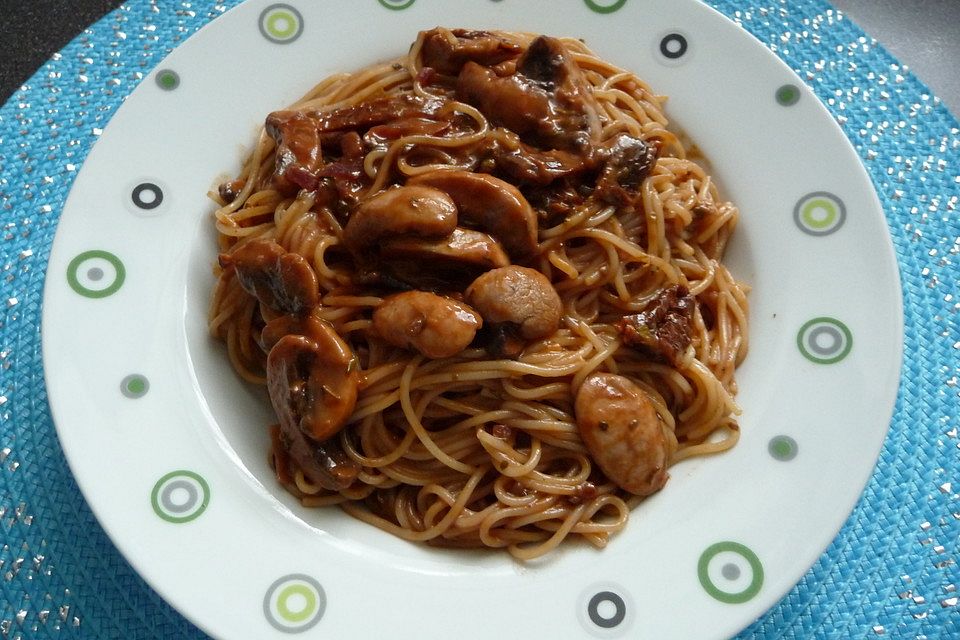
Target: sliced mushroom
548 101
627 163
230 190
298 153
502 340
447 51
323 463
462 253
530 166
519 296
313 379
664 329
415 210
488 202
281 280
285 325
363 115
436 326
620 428
341 180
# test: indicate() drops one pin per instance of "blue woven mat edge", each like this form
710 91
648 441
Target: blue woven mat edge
892 570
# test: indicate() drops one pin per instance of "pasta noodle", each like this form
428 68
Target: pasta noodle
483 448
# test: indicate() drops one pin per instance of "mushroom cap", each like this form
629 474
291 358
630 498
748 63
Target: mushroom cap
490 203
281 280
441 264
620 427
436 326
312 377
408 210
518 295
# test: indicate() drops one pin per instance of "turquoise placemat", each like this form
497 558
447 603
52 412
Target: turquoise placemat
891 572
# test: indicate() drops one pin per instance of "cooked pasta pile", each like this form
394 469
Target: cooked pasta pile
484 287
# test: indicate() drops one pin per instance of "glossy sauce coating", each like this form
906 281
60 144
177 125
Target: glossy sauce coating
620 428
436 326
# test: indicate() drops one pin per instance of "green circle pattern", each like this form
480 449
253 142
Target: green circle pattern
280 596
281 23
275 22
806 340
73 270
134 386
396 5
283 599
783 448
788 95
821 204
819 213
605 8
730 597
191 511
167 79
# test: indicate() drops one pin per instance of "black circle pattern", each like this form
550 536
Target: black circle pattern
593 609
147 204
673 46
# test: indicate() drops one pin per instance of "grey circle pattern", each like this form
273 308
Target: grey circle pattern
166 497
839 335
606 610
95 274
840 214
833 346
279 583
271 12
730 571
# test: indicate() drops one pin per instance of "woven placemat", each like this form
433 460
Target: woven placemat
891 572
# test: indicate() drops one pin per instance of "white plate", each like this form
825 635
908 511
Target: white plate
170 449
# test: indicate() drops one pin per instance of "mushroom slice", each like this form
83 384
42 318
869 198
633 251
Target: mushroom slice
409 210
621 429
298 153
290 324
628 162
531 166
375 111
312 377
664 329
323 463
519 296
548 101
436 326
488 202
443 264
472 249
447 51
279 279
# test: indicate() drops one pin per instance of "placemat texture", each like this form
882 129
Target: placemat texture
891 572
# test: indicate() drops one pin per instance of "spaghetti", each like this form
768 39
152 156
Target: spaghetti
484 286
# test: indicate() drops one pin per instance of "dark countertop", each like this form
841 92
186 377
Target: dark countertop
924 34
31 32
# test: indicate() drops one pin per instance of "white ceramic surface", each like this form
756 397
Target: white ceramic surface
173 459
